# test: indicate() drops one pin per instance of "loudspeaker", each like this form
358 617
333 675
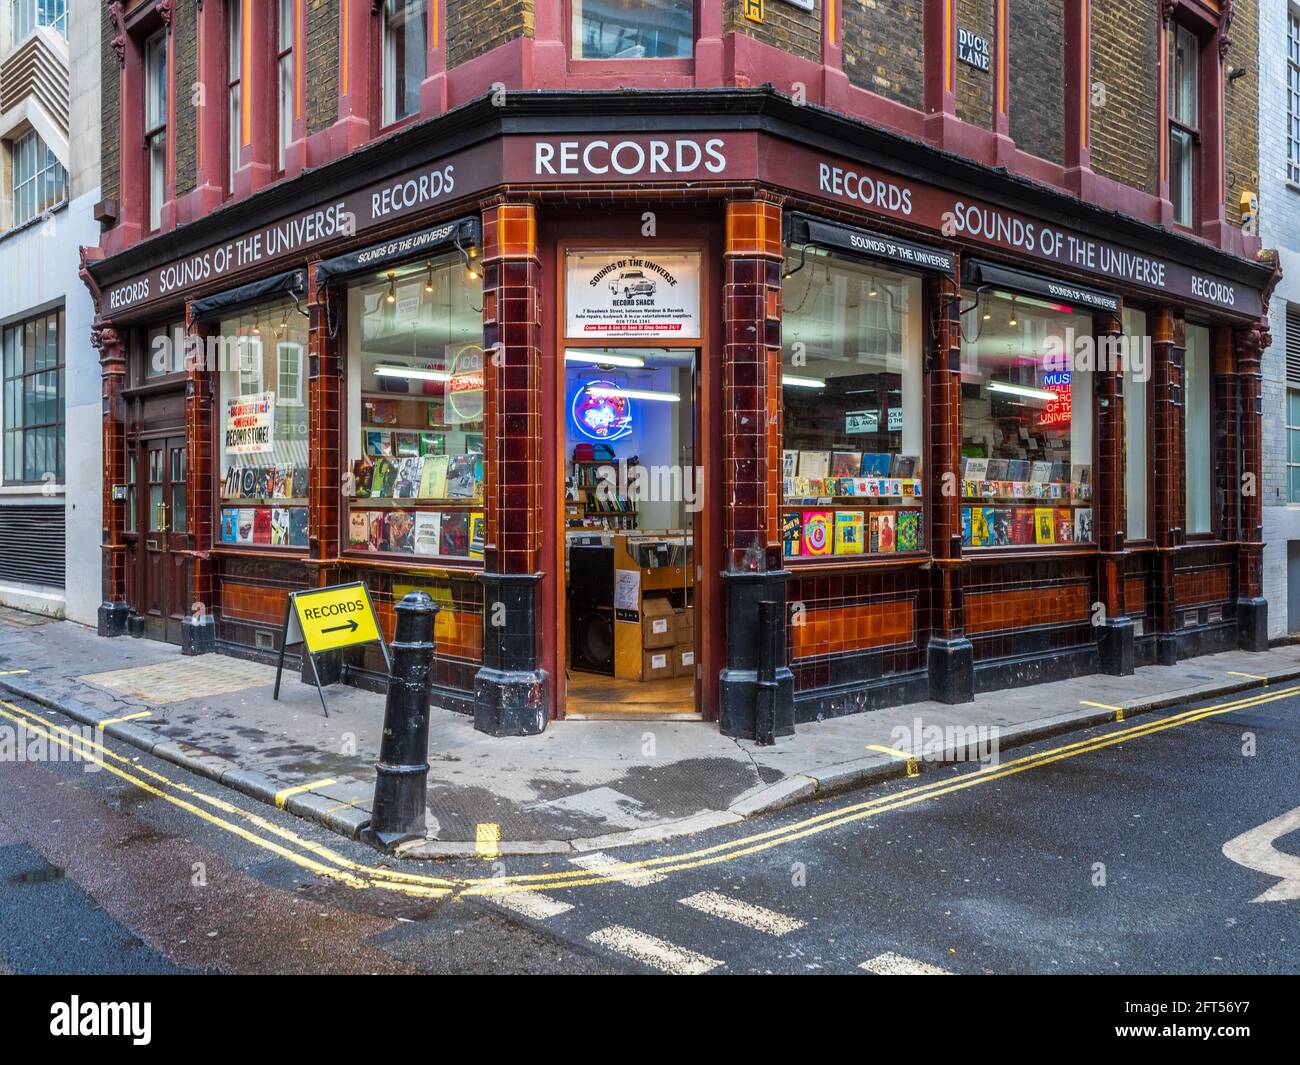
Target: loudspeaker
591 577
591 640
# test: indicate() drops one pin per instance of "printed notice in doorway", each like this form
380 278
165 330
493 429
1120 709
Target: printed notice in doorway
627 589
616 294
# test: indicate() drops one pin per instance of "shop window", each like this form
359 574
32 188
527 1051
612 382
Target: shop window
33 400
1026 408
633 29
1184 120
1137 407
264 441
165 347
39 180
853 422
234 86
404 45
284 65
1293 97
155 122
415 412
1293 445
26 15
1198 429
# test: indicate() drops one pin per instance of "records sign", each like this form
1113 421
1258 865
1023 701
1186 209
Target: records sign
464 394
250 423
618 295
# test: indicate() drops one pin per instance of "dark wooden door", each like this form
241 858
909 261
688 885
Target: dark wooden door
162 561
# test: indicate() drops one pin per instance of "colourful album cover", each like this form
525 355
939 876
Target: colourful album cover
1064 525
903 466
875 464
248 482
1044 525
280 526
381 483
909 530
789 463
453 539
1022 526
406 444
266 488
359 529
298 483
818 531
1083 525
965 526
979 526
426 532
230 525
462 476
815 465
974 469
845 463
433 477
792 533
363 473
297 526
381 411
406 482
377 530
398 530
883 531
849 526
433 444
262 525
378 443
279 480
477 533
230 486
999 470
1001 528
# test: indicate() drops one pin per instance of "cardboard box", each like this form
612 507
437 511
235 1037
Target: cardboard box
684 661
657 664
657 626
684 626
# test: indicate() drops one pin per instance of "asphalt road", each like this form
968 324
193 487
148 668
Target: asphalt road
1096 852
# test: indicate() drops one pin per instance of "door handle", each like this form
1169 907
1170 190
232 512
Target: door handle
161 510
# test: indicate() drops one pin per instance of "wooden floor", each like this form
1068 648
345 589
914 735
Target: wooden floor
592 695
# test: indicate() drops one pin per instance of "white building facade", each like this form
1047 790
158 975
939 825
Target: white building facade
50 423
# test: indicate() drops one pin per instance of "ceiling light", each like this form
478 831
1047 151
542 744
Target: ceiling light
633 393
1013 320
1021 390
413 373
392 287
791 381
601 359
428 278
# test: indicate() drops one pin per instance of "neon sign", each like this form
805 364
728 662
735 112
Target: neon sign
1060 408
604 417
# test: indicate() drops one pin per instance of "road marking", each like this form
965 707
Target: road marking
12 672
101 725
913 770
891 964
487 839
1119 710
297 789
656 953
609 868
1255 850
531 904
758 918
1252 676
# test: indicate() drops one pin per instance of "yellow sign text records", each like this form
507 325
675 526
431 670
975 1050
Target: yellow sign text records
335 617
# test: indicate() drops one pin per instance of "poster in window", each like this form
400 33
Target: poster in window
250 424
646 294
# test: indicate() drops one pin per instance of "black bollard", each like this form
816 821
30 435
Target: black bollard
403 768
765 698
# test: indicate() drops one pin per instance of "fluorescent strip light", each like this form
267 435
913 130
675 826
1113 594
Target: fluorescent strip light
1021 390
604 360
633 393
791 381
412 373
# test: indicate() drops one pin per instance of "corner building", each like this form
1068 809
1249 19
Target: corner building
545 309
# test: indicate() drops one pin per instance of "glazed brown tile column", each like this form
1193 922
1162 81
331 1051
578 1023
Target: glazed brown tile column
112 367
198 628
1169 348
751 462
511 689
1252 608
950 656
1115 637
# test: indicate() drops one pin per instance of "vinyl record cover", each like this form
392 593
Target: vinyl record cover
792 533
979 526
1064 525
461 476
815 465
789 463
1044 525
298 482
845 463
406 444
248 482
398 529
909 530
268 478
359 529
453 540
965 526
244 531
280 526
381 481
849 528
818 531
230 525
297 526
377 530
262 525
406 484
883 531
477 533
378 443
1001 527
876 464
1083 525
433 477
427 532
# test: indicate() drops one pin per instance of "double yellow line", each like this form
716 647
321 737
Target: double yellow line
325 862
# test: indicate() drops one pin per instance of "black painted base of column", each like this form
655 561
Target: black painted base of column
738 688
511 691
1166 648
952 670
198 635
135 625
1252 624
112 619
1116 647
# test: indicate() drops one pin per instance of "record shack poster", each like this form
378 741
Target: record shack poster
250 422
621 295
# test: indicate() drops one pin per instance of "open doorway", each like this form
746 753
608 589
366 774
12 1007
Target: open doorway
631 502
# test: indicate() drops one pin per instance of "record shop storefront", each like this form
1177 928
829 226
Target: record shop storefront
602 394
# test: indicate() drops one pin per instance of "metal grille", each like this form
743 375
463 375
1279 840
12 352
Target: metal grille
1293 345
32 540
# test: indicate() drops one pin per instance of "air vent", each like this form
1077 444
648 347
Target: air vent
32 536
1214 615
1191 619
1139 626
264 640
1293 345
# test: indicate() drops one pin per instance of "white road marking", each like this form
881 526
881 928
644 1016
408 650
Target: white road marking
602 864
1255 850
657 953
531 904
758 918
891 964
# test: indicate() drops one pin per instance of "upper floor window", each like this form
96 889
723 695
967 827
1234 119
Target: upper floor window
633 29
1293 97
40 182
234 83
1184 120
155 121
28 14
284 61
404 46
33 400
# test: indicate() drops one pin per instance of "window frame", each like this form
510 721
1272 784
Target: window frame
387 96
43 162
1181 126
31 19
1292 497
234 89
1293 96
14 422
1211 472
682 64
155 135
285 57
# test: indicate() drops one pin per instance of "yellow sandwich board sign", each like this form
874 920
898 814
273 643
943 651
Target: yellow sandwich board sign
327 619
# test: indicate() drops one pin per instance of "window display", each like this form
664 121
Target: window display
263 422
851 395
1026 465
416 391
1199 421
1137 388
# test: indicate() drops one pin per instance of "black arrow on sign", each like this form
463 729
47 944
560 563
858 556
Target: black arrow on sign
339 628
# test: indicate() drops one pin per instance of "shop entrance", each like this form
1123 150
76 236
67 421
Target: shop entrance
157 474
632 494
